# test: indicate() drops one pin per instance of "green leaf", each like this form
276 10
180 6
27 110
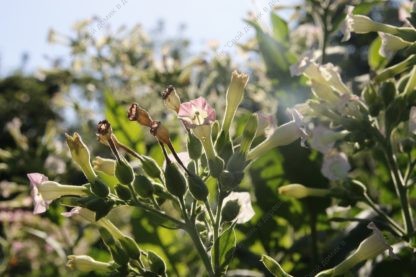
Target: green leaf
272 51
273 267
280 28
227 243
375 60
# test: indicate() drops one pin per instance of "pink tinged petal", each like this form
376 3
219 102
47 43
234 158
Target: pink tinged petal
40 205
185 110
72 212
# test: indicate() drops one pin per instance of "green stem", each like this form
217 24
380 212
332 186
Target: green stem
385 216
216 233
190 228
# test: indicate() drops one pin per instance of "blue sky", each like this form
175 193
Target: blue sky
25 24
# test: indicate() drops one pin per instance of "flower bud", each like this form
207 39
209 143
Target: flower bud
143 187
156 263
100 206
197 187
80 155
249 133
412 120
216 166
108 166
230 211
299 191
123 192
246 211
171 99
83 263
227 181
130 247
151 167
237 162
194 147
175 181
99 188
124 172
387 92
235 93
136 113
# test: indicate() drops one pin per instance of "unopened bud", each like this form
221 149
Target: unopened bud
143 187
388 92
156 263
197 187
171 99
230 211
299 191
124 172
249 133
130 247
80 155
107 166
151 167
123 192
99 188
83 263
194 147
235 93
175 181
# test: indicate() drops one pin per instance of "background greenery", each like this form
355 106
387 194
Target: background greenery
126 65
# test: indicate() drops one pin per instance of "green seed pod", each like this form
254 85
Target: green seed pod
124 172
388 92
249 133
194 147
369 95
230 211
99 188
227 181
100 206
156 263
216 166
130 247
143 186
197 187
175 181
237 162
223 146
119 255
192 167
123 192
151 167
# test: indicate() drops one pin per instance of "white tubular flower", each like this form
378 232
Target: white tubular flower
361 24
335 166
300 191
283 135
412 120
108 166
246 211
84 263
391 44
44 192
266 124
369 248
323 139
89 216
332 77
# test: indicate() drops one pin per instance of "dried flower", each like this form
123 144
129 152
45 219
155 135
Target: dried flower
136 113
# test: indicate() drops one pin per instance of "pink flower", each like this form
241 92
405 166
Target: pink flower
335 166
196 112
40 205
